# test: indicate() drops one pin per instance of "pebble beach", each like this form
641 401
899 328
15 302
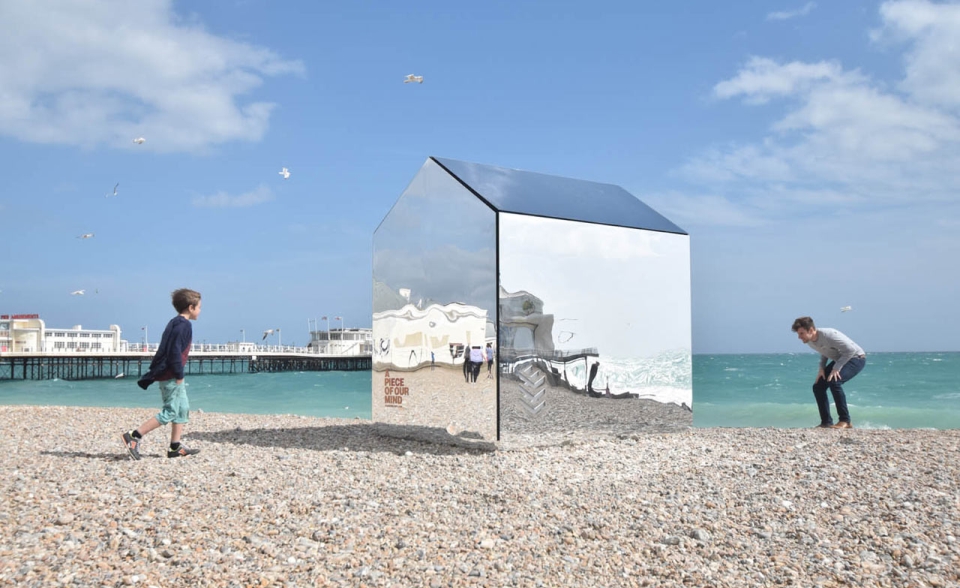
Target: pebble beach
303 501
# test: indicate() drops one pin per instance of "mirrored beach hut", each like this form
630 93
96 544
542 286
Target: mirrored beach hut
509 303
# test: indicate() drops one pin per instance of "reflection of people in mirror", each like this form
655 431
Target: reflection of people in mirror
593 374
466 365
476 360
489 353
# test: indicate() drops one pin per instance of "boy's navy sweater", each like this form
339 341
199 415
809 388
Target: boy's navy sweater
172 352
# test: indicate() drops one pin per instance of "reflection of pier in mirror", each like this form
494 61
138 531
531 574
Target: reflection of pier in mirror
647 375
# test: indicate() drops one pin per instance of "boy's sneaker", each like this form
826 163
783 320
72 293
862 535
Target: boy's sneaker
132 444
182 451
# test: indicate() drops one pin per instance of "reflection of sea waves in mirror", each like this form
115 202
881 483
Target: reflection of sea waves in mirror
666 377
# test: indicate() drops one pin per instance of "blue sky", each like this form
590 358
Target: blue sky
810 149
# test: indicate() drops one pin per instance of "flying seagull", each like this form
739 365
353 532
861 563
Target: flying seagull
85 236
114 190
139 140
77 293
285 173
412 78
267 333
846 308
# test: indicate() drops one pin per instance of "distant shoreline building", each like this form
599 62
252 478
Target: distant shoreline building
27 333
355 341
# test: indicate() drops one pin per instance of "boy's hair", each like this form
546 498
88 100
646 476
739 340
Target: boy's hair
184 298
803 322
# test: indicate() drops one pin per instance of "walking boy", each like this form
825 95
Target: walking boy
847 361
167 369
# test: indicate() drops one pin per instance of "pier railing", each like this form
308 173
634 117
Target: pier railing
245 348
133 364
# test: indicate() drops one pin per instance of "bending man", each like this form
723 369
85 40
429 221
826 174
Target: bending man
847 359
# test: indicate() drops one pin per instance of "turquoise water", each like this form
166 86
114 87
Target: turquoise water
322 394
895 390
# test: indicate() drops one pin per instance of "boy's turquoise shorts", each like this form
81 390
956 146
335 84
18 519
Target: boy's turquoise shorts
176 407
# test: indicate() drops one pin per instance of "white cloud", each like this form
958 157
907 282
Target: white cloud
76 72
763 79
845 140
738 162
863 120
788 14
221 199
933 61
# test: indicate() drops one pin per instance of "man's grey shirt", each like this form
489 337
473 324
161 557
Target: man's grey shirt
832 344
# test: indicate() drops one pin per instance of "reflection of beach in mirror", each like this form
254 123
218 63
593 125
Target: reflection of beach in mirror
604 314
437 399
434 298
566 410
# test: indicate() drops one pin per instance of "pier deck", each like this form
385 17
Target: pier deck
87 366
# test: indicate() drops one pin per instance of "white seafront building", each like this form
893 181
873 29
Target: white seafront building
27 333
357 341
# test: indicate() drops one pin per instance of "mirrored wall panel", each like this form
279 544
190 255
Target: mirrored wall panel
434 312
595 327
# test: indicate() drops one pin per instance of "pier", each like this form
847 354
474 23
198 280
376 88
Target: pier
133 364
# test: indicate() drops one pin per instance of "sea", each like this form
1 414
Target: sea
894 391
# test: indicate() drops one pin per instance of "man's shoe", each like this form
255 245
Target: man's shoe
842 425
182 451
824 426
132 444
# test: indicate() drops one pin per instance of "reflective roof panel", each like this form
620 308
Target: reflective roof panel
523 192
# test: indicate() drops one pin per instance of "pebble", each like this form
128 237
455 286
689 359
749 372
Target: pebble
294 501
700 535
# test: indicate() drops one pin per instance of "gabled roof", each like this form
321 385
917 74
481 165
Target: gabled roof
523 192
